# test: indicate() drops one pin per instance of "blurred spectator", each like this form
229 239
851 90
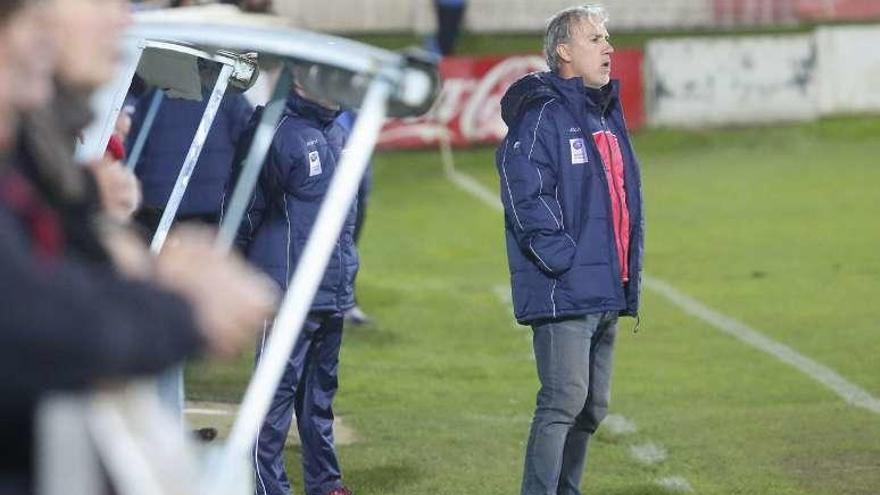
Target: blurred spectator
28 54
292 185
120 192
70 318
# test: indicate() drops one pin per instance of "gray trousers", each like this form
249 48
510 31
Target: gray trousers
574 359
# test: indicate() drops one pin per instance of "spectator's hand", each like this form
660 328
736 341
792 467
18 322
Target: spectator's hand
127 250
230 299
119 189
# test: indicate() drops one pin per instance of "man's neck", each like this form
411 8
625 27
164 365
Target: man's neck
566 73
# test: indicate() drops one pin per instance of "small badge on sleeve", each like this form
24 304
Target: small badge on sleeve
578 151
314 164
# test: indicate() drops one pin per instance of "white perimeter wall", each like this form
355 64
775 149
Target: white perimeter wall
849 69
711 81
692 82
487 15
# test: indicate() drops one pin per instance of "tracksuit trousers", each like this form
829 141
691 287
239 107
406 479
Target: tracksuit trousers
307 389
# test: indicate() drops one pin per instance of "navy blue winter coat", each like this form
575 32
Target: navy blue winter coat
169 141
293 182
560 237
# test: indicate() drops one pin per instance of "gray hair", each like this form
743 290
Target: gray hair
559 28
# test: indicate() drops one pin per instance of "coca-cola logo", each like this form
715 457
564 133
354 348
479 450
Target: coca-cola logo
481 118
468 108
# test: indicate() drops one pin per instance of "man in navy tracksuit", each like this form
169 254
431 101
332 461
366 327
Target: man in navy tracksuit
573 221
293 182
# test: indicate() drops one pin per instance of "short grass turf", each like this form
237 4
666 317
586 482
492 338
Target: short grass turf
773 226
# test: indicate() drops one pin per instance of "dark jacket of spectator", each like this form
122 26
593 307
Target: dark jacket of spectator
168 143
68 320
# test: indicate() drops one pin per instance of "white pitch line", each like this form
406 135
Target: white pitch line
208 412
848 391
481 192
502 292
473 186
618 425
675 484
495 418
648 453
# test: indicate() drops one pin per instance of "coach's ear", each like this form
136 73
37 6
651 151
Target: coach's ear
563 52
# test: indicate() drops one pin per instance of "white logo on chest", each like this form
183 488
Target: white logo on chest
314 164
578 151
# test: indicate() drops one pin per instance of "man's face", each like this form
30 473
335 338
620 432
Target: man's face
88 34
27 58
31 53
587 55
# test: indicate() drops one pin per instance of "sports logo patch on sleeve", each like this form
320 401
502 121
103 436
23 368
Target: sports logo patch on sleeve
314 164
578 151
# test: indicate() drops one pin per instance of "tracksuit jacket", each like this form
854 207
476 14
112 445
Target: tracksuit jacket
294 179
571 191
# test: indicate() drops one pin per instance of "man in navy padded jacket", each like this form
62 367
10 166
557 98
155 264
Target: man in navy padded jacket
167 145
574 226
293 182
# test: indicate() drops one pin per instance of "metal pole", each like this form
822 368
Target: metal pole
66 459
170 383
144 131
125 462
192 156
304 284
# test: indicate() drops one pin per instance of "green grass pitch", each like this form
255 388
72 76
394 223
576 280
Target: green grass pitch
776 227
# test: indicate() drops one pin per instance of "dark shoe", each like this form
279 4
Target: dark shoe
340 491
355 316
205 435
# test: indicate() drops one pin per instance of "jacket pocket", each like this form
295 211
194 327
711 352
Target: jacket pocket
532 292
586 287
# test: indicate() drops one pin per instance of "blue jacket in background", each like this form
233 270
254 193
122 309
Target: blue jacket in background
347 120
169 141
560 238
293 182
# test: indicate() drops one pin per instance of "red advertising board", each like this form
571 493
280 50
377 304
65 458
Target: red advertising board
468 110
